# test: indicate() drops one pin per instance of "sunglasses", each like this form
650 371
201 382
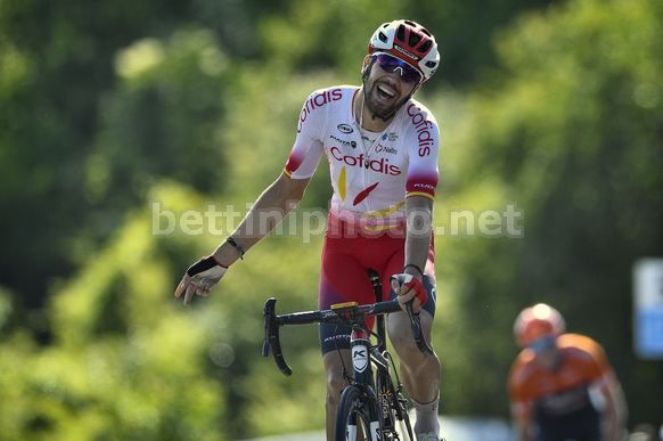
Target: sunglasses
389 63
542 344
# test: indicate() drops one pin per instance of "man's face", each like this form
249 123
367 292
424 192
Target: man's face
546 352
389 84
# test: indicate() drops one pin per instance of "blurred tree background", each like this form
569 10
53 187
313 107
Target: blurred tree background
113 113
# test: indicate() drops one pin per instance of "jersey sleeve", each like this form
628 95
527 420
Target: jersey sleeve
308 147
598 369
423 148
588 355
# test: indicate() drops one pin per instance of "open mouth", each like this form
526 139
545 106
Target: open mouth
385 91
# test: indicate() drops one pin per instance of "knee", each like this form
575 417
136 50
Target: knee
335 385
410 355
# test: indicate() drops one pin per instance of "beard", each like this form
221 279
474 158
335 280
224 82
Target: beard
377 106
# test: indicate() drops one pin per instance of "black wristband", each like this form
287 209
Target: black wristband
237 246
202 265
415 267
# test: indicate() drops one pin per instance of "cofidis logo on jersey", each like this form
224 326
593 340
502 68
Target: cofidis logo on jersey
381 165
316 101
423 127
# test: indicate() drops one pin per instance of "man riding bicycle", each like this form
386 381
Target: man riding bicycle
561 385
382 149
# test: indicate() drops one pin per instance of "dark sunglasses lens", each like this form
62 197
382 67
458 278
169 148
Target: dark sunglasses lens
542 344
391 64
411 75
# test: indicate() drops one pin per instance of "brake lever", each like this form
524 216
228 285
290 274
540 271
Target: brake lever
415 323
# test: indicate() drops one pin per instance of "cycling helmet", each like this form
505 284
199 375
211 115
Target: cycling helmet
537 321
408 41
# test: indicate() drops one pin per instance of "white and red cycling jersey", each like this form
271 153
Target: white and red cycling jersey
371 173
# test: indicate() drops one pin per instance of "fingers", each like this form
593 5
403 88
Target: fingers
395 285
190 291
408 296
181 287
189 287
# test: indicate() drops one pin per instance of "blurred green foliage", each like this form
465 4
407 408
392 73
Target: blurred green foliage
110 113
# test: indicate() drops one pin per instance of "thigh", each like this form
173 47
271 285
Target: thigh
342 279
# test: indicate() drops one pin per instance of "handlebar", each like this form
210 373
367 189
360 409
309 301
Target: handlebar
347 315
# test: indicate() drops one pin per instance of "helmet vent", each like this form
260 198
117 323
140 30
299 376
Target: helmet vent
400 33
431 64
411 23
424 47
414 39
383 38
425 31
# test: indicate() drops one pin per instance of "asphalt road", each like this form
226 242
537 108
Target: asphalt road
453 429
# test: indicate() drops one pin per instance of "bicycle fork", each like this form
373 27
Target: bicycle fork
361 364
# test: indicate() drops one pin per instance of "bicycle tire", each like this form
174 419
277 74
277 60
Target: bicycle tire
353 418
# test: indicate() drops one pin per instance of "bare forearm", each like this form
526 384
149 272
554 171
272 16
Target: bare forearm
271 207
419 227
267 212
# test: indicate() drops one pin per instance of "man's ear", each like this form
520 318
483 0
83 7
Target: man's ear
365 64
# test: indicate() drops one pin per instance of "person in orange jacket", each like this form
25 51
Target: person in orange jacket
561 386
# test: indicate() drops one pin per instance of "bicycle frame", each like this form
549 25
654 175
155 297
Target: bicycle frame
380 402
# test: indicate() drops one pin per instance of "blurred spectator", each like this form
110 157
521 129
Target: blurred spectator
562 386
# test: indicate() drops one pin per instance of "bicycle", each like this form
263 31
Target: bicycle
372 407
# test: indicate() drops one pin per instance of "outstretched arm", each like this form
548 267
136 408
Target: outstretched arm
271 207
269 210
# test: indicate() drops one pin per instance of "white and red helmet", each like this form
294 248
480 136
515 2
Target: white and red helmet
536 322
407 41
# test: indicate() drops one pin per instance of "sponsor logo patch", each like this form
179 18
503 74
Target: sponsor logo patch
391 136
344 128
360 358
387 149
352 144
406 52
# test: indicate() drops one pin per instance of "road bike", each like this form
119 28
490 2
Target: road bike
373 406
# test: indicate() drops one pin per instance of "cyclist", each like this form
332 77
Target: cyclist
561 385
382 147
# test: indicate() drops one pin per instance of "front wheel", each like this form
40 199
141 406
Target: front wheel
355 419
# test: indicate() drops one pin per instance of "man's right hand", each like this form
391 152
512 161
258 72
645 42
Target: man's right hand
409 288
200 278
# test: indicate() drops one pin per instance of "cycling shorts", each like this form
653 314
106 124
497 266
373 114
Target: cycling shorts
344 277
581 425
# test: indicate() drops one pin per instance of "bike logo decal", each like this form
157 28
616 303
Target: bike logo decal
344 128
360 358
375 430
